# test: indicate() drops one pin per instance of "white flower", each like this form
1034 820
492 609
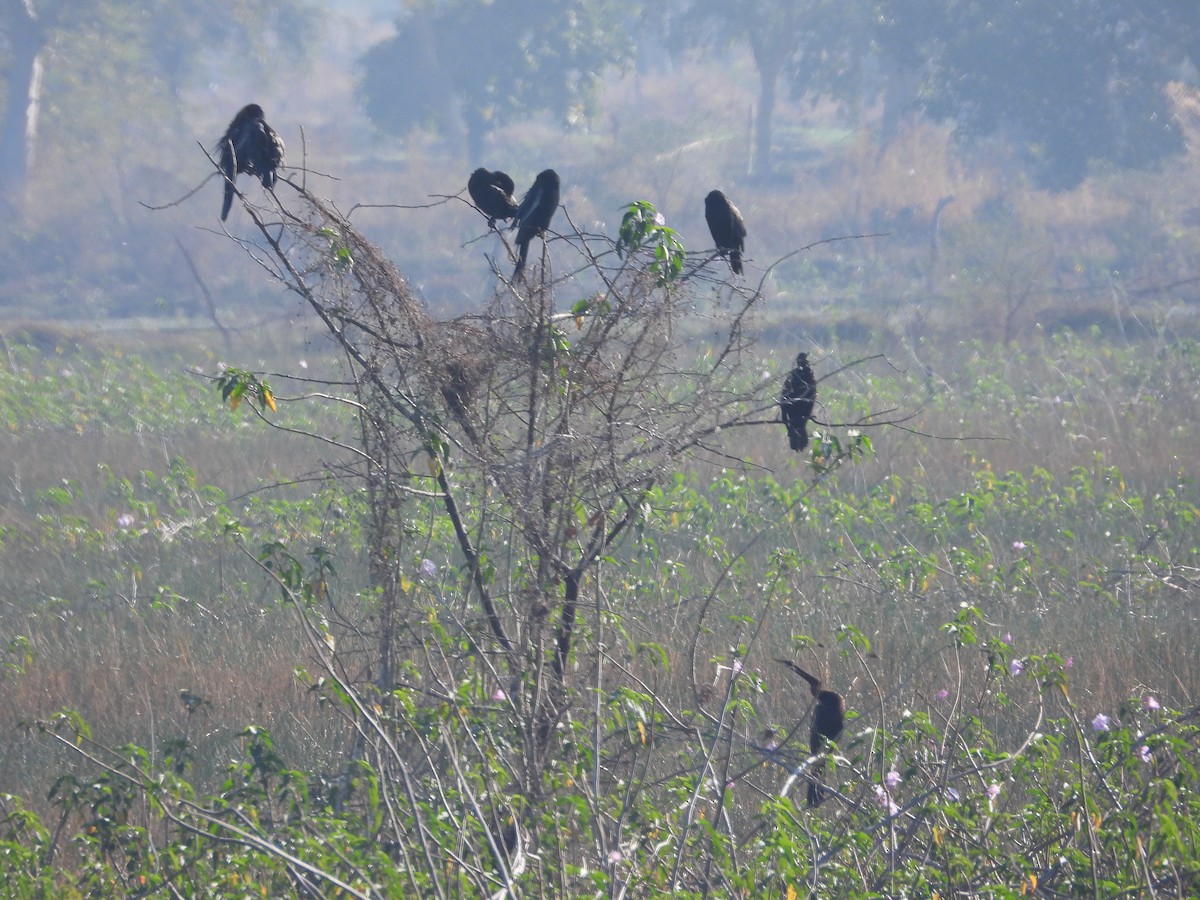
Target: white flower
884 799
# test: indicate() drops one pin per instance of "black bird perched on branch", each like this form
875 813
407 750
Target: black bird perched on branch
492 192
533 216
249 145
829 717
796 402
728 229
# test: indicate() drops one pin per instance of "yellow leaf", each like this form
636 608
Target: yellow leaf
234 402
269 398
937 836
642 731
405 584
791 893
579 323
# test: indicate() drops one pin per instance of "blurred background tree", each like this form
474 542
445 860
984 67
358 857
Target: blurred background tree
1066 83
95 109
463 66
805 99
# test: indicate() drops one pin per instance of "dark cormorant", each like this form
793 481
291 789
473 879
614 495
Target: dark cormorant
796 402
537 208
728 229
829 717
493 194
249 145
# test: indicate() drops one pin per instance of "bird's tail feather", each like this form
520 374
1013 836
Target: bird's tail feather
816 795
521 259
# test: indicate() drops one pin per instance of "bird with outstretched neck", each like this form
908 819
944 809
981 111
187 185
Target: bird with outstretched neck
249 146
829 717
537 208
727 227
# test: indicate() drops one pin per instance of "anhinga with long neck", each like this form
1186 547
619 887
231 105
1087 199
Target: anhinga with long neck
829 717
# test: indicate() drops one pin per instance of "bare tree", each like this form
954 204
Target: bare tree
537 425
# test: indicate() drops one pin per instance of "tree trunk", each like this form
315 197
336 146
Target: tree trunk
771 50
26 39
768 79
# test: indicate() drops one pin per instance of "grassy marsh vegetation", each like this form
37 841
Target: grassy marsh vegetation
981 588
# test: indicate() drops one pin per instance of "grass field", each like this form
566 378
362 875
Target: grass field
1030 524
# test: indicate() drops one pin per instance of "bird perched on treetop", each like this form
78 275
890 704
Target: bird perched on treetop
796 402
249 145
829 717
537 208
728 229
492 192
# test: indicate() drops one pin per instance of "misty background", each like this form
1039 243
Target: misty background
1026 165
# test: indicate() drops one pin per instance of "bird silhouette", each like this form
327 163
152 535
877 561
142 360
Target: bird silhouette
537 208
251 146
796 402
727 227
829 717
492 192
